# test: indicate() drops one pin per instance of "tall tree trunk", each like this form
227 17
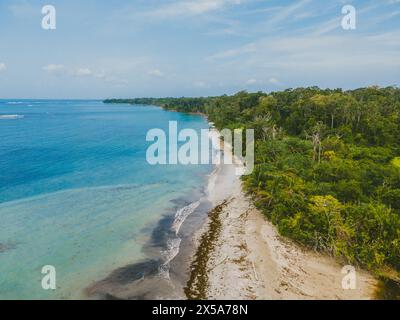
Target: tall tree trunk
319 152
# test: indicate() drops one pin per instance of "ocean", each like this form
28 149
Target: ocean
77 193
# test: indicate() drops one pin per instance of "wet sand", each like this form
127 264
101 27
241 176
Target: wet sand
157 277
165 272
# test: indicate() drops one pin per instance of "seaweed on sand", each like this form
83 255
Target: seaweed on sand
196 287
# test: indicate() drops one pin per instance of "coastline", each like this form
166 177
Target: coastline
226 249
163 273
240 255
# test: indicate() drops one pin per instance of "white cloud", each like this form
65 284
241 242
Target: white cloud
246 49
335 23
116 80
53 68
82 72
325 60
322 51
385 17
85 72
286 12
272 80
3 66
156 73
275 81
191 8
100 74
328 26
251 81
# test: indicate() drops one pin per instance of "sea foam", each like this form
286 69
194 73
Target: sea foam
10 116
173 244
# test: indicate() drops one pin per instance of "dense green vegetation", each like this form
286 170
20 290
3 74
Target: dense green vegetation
327 170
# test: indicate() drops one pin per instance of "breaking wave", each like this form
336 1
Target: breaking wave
10 116
173 244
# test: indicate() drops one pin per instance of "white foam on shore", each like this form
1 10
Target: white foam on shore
10 116
173 245
182 214
169 254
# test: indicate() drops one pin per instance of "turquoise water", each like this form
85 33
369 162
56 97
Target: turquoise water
77 193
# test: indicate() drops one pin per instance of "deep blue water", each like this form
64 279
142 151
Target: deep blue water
77 192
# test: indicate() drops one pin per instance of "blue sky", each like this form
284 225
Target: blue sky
138 48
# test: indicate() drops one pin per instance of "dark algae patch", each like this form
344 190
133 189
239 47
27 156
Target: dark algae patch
7 247
196 288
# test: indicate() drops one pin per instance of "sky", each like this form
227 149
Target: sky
142 48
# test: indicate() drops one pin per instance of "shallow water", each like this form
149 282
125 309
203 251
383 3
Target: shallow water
77 193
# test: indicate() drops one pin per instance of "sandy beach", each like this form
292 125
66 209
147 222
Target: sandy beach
240 255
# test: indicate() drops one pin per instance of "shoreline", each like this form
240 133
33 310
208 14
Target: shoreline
163 273
240 255
228 250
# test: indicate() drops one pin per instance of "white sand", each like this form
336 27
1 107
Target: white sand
251 260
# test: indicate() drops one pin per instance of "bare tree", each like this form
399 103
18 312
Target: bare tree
316 137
